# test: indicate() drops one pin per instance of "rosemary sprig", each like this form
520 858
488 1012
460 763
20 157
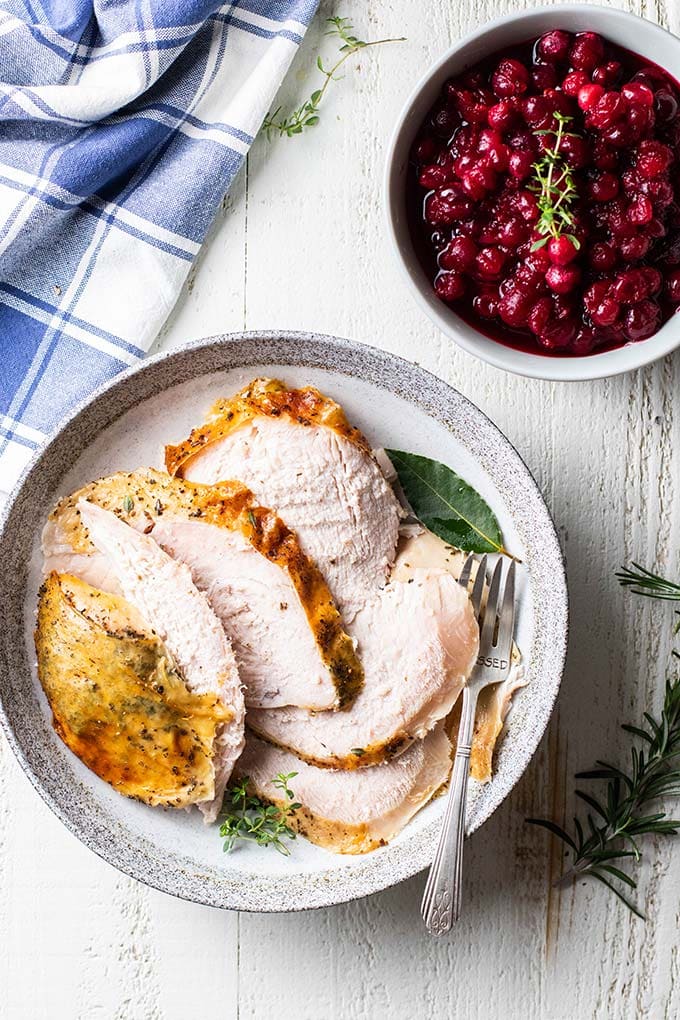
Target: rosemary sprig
252 819
307 114
555 188
644 582
626 812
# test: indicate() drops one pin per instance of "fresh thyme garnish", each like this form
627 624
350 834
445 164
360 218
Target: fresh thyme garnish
616 821
307 114
251 519
555 188
128 504
252 819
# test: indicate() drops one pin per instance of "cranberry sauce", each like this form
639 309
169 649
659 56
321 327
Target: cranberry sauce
544 195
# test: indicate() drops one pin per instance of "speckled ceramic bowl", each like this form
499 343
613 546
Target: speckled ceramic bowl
125 425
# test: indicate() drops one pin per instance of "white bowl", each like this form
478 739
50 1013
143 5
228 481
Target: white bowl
626 30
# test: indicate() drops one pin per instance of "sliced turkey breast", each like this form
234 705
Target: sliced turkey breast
164 594
351 812
419 548
297 452
275 606
117 698
418 641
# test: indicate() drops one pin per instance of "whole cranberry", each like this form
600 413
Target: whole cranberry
435 175
586 51
536 264
522 141
604 187
653 280
449 286
620 135
584 341
491 145
642 320
563 279
575 150
602 257
673 286
637 94
425 150
562 250
589 95
553 47
489 263
640 120
459 254
540 314
478 181
512 231
630 181
630 287
544 76
595 294
520 165
659 190
634 248
514 308
605 157
640 210
485 302
608 74
526 204
446 205
574 82
606 111
665 106
465 139
510 78
652 159
538 112
503 115
557 334
606 313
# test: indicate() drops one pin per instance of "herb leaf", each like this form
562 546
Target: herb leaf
256 821
446 504
307 114
555 189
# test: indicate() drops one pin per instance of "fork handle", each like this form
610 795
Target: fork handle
442 898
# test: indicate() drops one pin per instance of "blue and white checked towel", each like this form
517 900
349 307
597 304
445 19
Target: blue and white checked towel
122 125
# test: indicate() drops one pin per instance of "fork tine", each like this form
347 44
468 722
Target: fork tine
506 623
464 578
478 587
491 611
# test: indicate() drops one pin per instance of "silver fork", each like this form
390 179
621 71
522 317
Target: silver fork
442 898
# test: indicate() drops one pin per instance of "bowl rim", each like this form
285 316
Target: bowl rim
536 366
175 873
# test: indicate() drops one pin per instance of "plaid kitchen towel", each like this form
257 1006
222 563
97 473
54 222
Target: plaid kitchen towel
122 125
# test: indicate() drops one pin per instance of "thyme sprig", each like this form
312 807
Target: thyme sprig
555 188
256 821
626 811
307 114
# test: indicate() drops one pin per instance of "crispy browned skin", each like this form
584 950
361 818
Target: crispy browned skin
373 754
118 702
144 495
335 836
268 397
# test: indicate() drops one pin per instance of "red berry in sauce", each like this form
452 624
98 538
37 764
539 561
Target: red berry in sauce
605 270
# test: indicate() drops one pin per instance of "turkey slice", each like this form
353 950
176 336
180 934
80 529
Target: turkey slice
295 449
351 812
418 641
286 632
165 596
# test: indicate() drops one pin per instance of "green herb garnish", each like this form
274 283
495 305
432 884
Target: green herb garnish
446 504
128 504
627 811
256 821
307 114
555 188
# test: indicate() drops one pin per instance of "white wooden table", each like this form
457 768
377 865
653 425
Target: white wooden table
300 243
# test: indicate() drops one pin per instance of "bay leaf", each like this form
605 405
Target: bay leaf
447 504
